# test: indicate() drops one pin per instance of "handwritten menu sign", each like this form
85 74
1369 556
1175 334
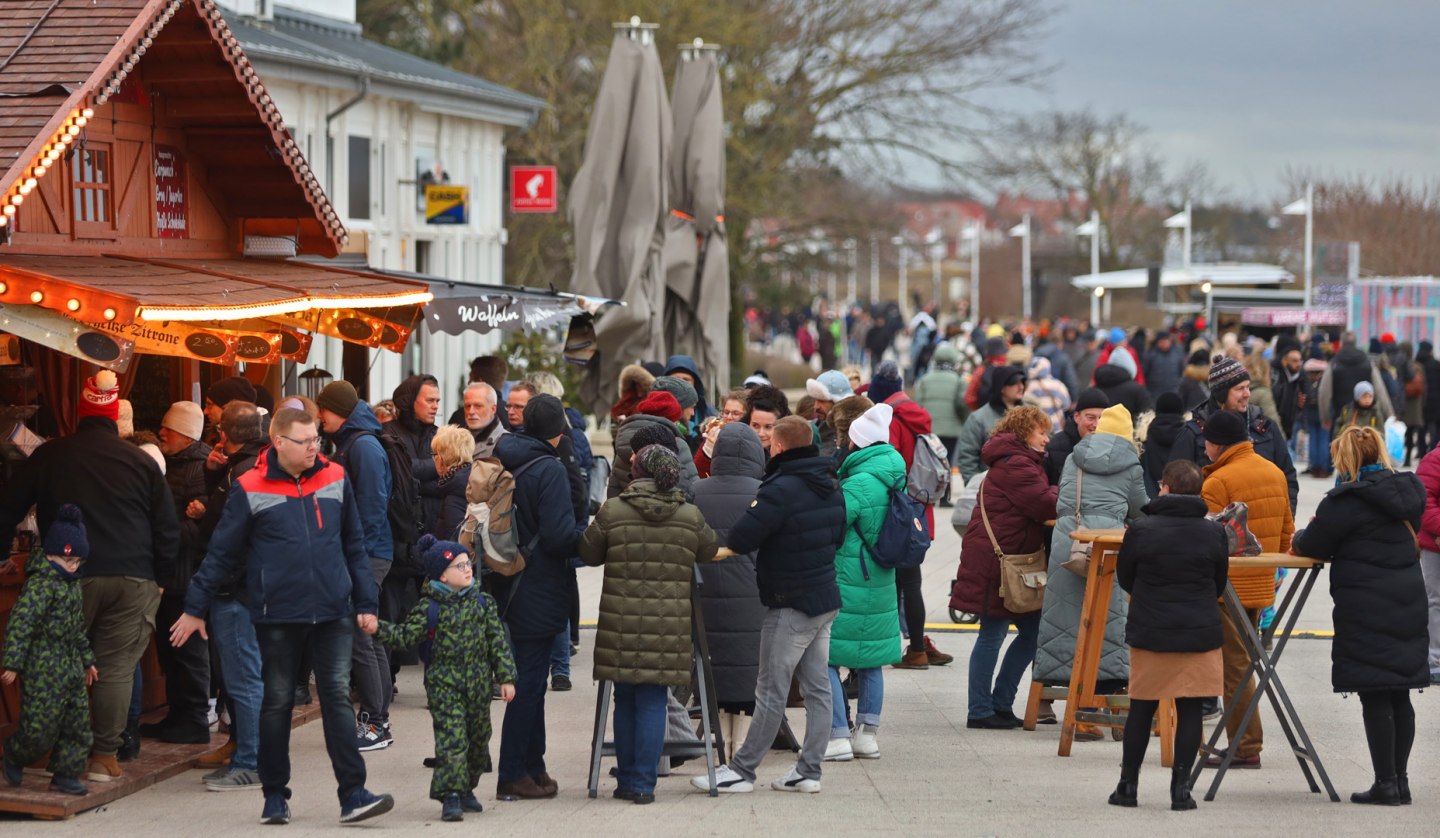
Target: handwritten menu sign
170 194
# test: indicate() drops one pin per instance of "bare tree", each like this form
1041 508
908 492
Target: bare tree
1395 219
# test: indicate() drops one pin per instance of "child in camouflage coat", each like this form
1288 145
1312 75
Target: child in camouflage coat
46 648
468 655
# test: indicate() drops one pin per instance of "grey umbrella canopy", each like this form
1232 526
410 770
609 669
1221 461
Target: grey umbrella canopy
697 262
618 205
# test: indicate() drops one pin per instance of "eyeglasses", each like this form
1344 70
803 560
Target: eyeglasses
520 407
463 564
312 442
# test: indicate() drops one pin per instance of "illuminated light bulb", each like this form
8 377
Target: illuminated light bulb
72 304
37 297
7 211
17 200
40 169
4 219
80 120
88 112
25 188
4 287
109 314
73 130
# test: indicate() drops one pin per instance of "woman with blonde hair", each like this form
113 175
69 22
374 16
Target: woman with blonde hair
453 447
1366 528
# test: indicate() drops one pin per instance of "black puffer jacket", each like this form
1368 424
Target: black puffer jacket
1264 434
1381 635
452 503
415 438
795 526
185 473
1120 387
1174 563
220 482
1349 367
536 602
1159 439
1059 449
729 595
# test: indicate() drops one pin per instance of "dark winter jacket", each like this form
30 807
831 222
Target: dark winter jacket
794 527
1163 370
185 474
1173 564
649 540
620 473
1381 615
1120 387
1018 500
221 482
301 542
452 503
1287 398
574 478
1159 440
1194 387
359 452
1427 361
1059 449
415 438
129 514
1269 444
536 602
729 596
1349 367
46 629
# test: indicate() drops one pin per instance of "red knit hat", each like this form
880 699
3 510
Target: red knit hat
660 403
100 397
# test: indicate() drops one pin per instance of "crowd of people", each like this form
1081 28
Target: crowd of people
273 542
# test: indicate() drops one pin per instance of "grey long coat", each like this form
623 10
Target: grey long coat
730 595
1113 494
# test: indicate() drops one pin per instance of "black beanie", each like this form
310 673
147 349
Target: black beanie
651 433
234 388
1092 397
1226 428
436 555
1169 403
545 417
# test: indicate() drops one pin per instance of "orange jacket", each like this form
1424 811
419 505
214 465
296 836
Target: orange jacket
1242 475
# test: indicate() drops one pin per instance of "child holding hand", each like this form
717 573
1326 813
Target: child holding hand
47 650
468 654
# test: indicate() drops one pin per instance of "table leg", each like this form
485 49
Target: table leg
1165 721
1089 642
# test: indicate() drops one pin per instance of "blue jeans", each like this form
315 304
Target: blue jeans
1319 444
280 648
987 700
560 653
239 652
639 733
522 733
867 706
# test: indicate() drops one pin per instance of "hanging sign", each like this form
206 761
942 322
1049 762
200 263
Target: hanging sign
446 204
187 340
457 315
47 328
350 325
532 189
171 201
9 350
294 344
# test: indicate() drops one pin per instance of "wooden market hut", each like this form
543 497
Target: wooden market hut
156 219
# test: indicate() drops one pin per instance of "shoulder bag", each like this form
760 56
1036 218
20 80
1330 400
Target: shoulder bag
1022 576
1080 551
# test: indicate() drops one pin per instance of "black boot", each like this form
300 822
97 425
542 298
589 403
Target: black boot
1128 787
129 745
1402 785
1382 793
1180 799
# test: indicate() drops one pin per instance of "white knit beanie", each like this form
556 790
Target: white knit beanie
873 426
186 419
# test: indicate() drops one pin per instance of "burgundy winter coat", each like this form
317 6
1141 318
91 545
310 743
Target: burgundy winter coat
1429 473
1019 500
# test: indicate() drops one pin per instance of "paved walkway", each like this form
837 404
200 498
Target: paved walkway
935 776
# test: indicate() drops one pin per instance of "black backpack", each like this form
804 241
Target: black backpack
403 508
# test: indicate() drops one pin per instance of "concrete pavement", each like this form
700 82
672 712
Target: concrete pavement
935 777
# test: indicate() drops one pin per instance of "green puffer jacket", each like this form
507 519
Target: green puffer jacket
942 392
866 633
469 644
649 541
46 635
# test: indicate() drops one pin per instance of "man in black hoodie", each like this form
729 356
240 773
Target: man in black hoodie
1160 438
794 526
1116 378
417 401
1337 387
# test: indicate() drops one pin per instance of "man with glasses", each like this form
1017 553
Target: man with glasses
294 523
520 395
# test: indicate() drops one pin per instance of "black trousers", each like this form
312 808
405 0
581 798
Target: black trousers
912 604
1189 722
187 669
1389 731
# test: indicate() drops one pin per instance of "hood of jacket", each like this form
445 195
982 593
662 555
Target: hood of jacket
515 450
361 420
577 419
1165 428
1039 369
683 363
909 414
1109 375
1351 356
650 501
1198 372
1105 454
737 452
1178 506
1002 445
1394 495
816 471
880 460
404 398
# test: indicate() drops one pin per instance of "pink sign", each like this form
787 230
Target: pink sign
170 194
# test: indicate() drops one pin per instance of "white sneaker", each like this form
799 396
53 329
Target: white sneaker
865 745
839 751
726 780
794 782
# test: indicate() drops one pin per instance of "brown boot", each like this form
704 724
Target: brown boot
218 757
914 659
103 768
524 788
544 781
935 656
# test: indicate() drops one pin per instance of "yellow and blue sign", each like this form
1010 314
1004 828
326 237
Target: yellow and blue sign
446 204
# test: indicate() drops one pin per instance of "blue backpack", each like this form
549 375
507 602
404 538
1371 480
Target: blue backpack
903 539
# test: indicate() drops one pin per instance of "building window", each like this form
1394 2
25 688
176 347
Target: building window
90 185
359 163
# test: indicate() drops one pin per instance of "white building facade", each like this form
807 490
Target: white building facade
379 125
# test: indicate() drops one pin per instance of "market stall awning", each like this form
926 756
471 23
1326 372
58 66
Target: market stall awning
1222 273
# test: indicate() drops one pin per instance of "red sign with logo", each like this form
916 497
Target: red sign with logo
532 189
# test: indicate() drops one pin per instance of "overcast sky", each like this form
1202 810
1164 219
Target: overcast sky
1248 86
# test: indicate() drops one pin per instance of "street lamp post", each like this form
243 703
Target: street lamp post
972 235
1095 299
1208 288
874 270
1022 232
1306 207
850 289
899 241
937 252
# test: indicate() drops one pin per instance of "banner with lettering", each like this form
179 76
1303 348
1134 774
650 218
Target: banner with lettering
457 315
187 340
171 194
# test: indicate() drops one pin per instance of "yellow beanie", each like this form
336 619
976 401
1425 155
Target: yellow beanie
1116 420
994 330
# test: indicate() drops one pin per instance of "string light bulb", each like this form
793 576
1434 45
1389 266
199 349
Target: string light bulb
72 304
37 297
109 313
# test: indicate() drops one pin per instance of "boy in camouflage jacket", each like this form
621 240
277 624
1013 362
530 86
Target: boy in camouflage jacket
46 648
468 655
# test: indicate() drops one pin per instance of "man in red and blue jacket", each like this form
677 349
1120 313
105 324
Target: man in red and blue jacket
294 524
